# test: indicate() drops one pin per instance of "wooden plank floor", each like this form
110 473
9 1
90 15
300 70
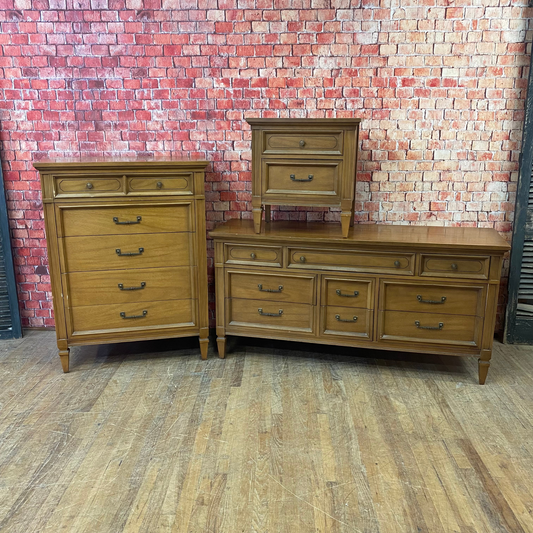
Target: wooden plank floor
276 438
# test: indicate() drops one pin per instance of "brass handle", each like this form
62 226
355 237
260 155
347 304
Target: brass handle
90 185
397 264
417 324
159 184
280 288
117 221
338 317
123 315
279 313
309 178
302 259
122 288
354 295
454 266
123 254
441 301
253 256
302 143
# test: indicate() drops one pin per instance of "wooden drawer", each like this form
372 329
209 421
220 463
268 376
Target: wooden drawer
88 186
153 184
101 318
128 286
125 219
271 287
346 322
304 142
102 253
293 182
471 267
346 292
383 262
264 314
432 298
433 328
243 254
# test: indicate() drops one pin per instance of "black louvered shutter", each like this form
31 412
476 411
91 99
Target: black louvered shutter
9 310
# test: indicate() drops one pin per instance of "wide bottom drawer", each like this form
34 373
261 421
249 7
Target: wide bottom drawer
430 328
169 313
346 322
270 315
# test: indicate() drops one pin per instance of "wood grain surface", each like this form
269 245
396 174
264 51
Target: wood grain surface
278 438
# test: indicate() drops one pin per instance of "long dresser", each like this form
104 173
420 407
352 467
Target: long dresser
126 249
408 288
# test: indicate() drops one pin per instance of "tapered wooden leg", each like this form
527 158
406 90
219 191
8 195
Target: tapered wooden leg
267 213
204 345
257 213
64 355
346 217
483 365
221 345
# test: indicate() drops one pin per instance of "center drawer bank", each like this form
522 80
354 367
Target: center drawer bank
127 250
408 288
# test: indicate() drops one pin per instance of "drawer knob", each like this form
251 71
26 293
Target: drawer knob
302 143
253 256
349 295
90 185
397 264
124 254
279 289
279 313
309 178
417 324
117 221
159 184
353 319
122 288
454 266
302 259
124 315
422 301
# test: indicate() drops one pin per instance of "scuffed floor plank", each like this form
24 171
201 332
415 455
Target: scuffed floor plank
145 438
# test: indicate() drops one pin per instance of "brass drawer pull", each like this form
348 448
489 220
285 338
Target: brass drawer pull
302 143
122 288
441 301
280 288
90 185
309 178
397 264
354 295
253 256
123 315
123 254
302 259
117 221
454 266
159 184
279 313
338 317
417 324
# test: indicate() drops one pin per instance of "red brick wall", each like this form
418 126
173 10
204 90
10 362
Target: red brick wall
439 84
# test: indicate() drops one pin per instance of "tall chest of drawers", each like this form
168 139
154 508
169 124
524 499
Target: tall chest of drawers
127 250
406 288
304 162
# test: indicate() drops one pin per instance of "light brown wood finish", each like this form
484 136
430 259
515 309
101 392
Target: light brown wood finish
287 438
381 270
126 239
304 162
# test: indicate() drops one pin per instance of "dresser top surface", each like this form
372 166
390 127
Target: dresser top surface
436 237
175 162
303 121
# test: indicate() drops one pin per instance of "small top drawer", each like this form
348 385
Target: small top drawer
175 184
244 254
345 292
450 266
356 261
88 186
306 142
